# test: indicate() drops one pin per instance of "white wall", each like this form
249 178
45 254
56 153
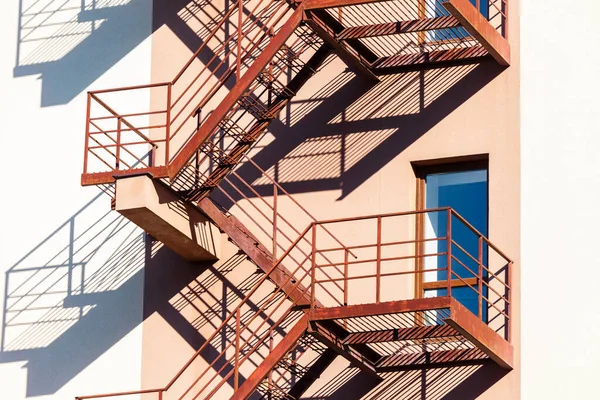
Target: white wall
57 344
561 193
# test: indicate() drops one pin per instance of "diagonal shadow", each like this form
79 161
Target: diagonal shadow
72 43
354 130
466 382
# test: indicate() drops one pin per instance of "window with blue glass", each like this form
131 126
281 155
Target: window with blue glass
435 8
466 191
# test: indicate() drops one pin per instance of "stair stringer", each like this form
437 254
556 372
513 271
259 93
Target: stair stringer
283 347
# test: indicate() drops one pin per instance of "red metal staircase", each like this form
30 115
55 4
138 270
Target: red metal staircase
303 312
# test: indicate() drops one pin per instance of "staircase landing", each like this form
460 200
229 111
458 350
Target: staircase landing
414 333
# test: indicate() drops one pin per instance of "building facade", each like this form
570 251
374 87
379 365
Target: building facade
333 200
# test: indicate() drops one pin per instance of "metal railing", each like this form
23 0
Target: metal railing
448 257
324 277
149 137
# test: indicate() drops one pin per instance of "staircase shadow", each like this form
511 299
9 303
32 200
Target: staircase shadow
71 45
465 382
90 283
347 131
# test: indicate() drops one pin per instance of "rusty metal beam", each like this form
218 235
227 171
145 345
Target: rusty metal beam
454 283
396 28
481 335
255 250
399 362
392 335
284 347
212 122
240 148
391 307
314 372
432 59
98 178
336 344
320 4
353 58
480 28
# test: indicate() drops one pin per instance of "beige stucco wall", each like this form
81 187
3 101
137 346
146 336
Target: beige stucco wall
361 164
71 270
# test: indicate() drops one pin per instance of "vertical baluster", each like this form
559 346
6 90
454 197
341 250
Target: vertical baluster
378 273
87 132
275 223
509 300
239 40
236 373
345 277
313 273
449 250
270 376
480 278
168 124
118 150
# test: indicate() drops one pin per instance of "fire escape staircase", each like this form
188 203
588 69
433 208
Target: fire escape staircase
293 42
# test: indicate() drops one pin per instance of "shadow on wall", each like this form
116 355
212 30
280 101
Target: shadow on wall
348 130
465 382
71 43
60 298
82 289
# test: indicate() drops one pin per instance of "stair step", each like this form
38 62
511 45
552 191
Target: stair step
274 86
256 108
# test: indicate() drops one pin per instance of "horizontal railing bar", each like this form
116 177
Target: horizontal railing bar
115 394
478 263
382 244
124 88
483 237
129 115
375 275
122 145
487 300
133 129
103 104
109 152
104 147
381 259
388 215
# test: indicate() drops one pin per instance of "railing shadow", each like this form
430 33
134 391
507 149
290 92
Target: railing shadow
466 382
348 130
91 282
72 43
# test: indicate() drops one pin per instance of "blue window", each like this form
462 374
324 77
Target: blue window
466 191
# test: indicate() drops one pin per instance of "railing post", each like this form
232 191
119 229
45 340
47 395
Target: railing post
118 150
509 298
87 132
160 395
168 124
239 41
449 250
237 351
505 22
378 272
274 223
480 278
346 277
313 270
270 376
